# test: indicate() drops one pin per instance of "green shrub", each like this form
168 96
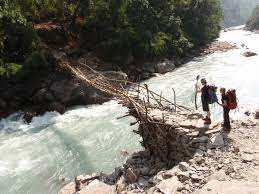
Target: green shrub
9 70
17 38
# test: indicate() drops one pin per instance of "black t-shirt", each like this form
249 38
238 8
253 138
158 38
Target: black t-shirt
205 93
223 98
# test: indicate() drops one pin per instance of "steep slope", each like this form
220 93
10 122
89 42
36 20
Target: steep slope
253 22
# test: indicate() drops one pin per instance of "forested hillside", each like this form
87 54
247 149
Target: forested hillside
253 22
118 31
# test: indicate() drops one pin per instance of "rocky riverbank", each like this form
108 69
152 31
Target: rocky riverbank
223 163
57 89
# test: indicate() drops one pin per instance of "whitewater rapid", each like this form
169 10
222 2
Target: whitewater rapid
89 139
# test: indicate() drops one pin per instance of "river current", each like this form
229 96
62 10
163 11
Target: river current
89 139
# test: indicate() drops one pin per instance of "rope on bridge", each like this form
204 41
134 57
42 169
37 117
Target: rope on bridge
127 92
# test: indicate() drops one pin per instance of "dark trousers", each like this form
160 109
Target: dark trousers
226 118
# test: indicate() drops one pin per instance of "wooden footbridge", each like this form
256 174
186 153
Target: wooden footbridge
169 131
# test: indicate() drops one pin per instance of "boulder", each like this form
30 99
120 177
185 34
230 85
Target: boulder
144 171
28 116
62 89
164 66
87 95
249 54
42 96
149 68
56 106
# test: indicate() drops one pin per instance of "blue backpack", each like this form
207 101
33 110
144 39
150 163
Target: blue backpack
212 94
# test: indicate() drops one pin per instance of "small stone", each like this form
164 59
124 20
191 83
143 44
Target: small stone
183 176
247 157
247 113
131 177
195 177
144 171
236 149
199 160
143 181
183 166
203 148
220 176
227 161
187 187
230 169
217 141
199 152
220 166
170 173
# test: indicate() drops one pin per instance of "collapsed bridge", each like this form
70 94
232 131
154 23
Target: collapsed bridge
169 131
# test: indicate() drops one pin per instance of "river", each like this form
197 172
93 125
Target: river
89 139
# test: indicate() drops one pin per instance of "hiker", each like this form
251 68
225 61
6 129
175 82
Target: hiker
205 99
226 109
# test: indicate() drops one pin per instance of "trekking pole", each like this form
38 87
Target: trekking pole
195 98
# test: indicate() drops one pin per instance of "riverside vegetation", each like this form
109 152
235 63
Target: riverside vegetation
138 28
105 35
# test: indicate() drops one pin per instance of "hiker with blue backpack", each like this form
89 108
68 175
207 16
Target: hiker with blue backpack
205 98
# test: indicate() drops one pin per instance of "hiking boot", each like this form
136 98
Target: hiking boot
205 118
227 130
208 121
